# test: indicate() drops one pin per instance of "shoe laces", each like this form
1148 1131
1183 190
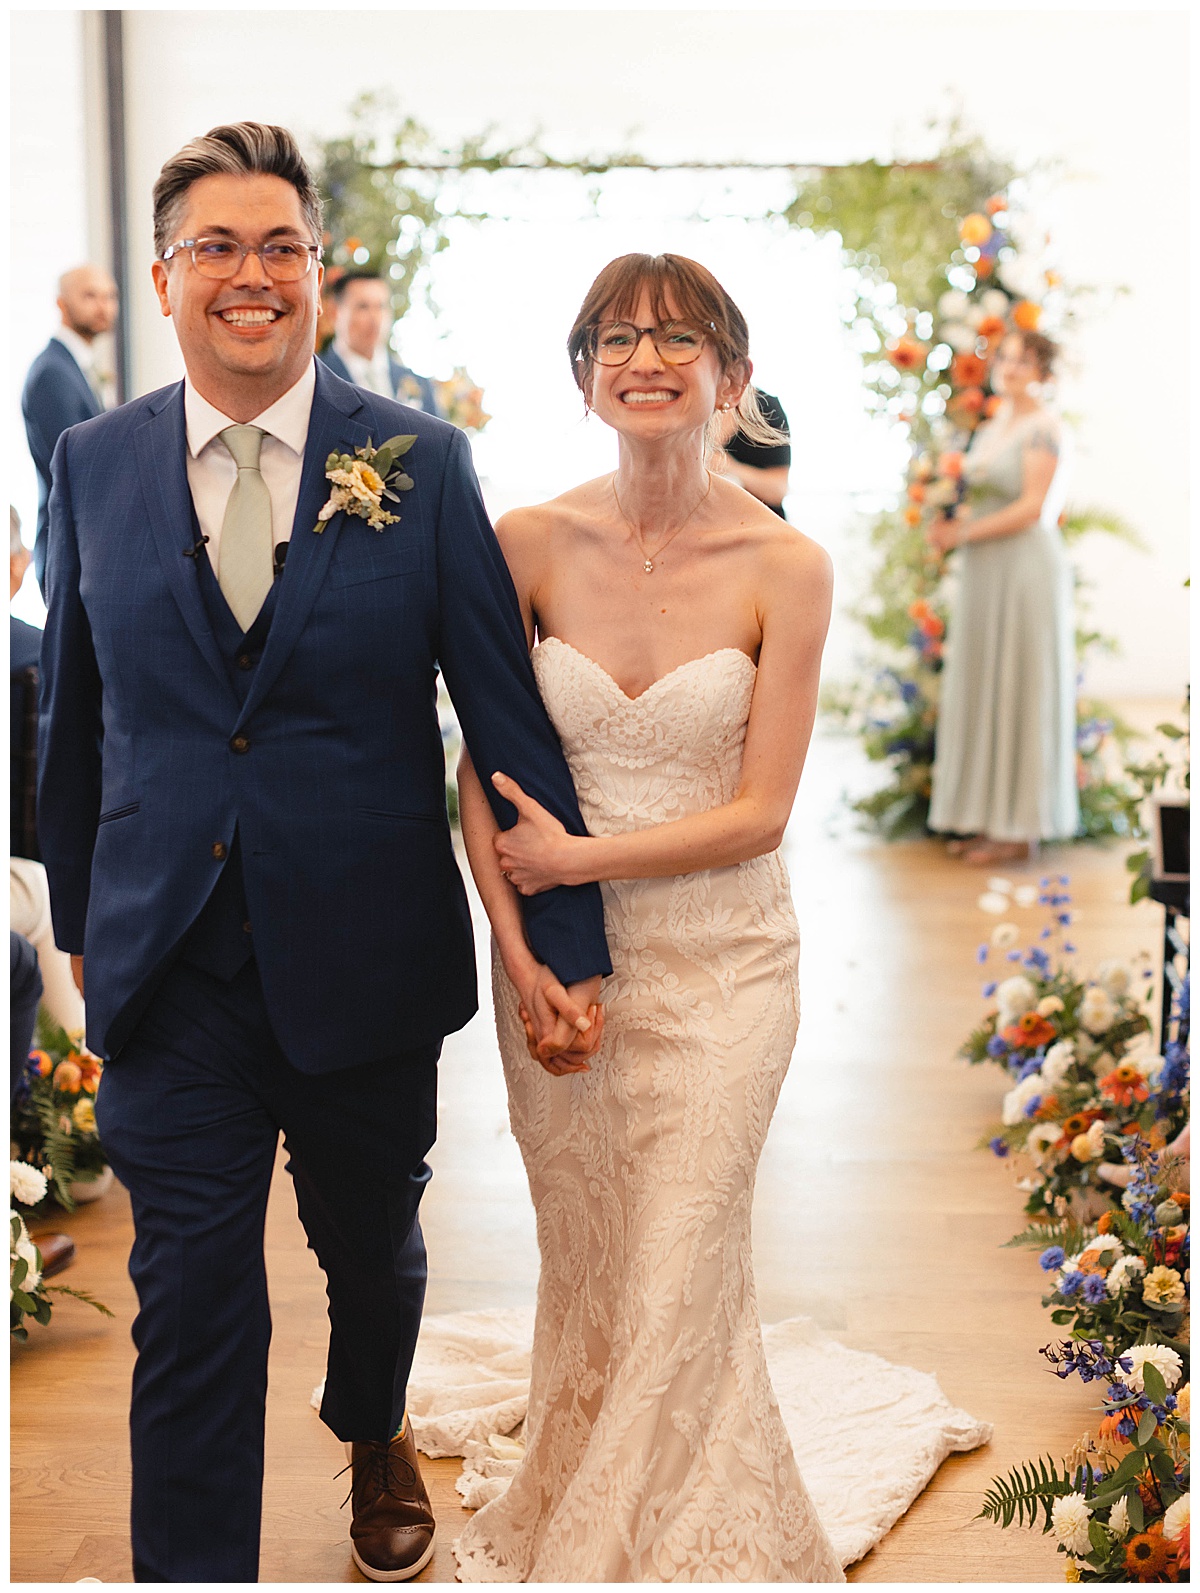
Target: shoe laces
383 1469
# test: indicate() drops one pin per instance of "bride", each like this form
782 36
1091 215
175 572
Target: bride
679 628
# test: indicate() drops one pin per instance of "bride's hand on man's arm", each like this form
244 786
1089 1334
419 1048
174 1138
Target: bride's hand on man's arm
537 853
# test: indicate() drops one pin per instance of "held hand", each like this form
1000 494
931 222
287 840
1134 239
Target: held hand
562 1027
535 854
946 533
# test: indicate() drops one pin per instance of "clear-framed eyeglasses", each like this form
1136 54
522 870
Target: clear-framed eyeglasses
677 342
283 259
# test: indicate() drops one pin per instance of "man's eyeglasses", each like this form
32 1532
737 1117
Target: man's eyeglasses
677 342
283 259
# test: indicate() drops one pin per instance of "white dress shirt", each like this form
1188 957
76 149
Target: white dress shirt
83 354
375 374
211 470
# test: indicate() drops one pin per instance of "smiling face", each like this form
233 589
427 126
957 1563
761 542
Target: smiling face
247 339
1014 368
648 397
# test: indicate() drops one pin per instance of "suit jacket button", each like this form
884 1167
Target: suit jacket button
220 851
240 743
246 926
244 661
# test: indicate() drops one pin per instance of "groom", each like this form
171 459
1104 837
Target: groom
242 815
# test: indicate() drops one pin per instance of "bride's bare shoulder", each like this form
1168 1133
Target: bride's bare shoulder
534 525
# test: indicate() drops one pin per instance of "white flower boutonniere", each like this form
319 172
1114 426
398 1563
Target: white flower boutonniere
363 480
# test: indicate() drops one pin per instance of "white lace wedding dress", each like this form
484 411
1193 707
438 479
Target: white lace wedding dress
654 1446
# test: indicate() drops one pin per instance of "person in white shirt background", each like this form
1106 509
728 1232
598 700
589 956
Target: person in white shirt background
360 352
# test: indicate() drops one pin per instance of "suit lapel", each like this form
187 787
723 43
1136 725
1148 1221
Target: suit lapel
335 425
161 446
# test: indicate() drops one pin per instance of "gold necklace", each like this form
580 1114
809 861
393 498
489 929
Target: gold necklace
647 561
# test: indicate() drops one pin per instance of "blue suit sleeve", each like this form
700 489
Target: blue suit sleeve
485 661
69 727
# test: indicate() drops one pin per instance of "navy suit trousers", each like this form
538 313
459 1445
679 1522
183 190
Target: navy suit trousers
190 1113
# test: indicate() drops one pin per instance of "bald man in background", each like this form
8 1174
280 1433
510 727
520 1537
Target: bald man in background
63 386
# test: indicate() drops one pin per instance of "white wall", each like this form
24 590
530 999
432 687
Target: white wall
1105 92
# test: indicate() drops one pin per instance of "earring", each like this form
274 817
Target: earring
724 407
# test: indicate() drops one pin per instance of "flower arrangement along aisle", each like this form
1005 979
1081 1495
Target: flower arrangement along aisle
1120 1504
1129 1284
28 1294
1077 1052
53 1123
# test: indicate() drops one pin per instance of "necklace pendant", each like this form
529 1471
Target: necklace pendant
648 566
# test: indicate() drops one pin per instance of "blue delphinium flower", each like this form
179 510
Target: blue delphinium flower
1050 1260
1033 1106
997 1047
1070 1284
997 1146
1094 1291
982 954
1029 1067
989 990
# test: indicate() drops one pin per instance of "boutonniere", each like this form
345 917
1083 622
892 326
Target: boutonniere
362 481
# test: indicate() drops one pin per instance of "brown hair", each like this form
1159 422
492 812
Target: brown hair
1042 350
698 297
239 149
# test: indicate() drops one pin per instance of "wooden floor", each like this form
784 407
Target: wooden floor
875 1215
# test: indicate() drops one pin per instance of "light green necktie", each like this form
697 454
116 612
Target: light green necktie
246 561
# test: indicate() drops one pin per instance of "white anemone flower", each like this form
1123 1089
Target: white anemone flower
1118 1519
1019 1097
1097 1010
1123 1273
1004 936
27 1184
1013 997
992 902
1178 1516
1026 895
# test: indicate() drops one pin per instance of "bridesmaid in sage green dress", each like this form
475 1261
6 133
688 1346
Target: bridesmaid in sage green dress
1004 768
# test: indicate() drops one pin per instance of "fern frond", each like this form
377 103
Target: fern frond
1079 521
1029 1491
1068 1233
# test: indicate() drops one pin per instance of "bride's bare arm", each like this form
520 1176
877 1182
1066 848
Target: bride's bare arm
538 853
561 1042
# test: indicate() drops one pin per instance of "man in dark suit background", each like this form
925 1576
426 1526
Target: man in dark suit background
242 812
359 351
63 386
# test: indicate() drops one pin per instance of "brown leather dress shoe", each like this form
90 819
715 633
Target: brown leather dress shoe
392 1533
57 1251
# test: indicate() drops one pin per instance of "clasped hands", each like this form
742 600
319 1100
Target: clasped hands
946 532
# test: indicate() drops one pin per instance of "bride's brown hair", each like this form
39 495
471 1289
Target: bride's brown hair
699 298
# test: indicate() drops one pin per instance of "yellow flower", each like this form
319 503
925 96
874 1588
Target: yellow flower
371 479
1163 1286
84 1116
1071 1572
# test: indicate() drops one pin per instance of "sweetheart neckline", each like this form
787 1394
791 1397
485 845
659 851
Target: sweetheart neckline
670 674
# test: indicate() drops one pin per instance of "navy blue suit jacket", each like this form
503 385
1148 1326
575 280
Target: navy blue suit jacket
399 373
56 395
360 920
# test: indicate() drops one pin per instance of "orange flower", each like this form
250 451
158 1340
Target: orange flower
984 267
995 203
919 609
1105 1223
931 625
1027 315
1183 1548
1107 1432
912 515
974 229
967 370
1124 1085
1049 1108
906 354
42 1061
991 405
950 464
991 327
1181 1198
68 1076
1031 1030
1080 1122
916 492
970 399
1147 1554
1090 1262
